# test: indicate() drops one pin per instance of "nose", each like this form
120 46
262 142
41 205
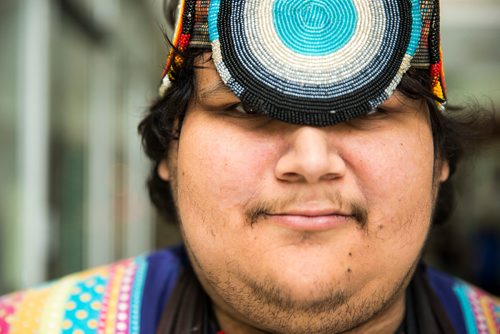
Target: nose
310 157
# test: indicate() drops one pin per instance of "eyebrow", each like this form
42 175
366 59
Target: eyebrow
219 87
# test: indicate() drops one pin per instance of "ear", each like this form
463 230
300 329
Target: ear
444 171
163 170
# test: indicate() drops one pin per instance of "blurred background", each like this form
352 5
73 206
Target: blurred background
75 79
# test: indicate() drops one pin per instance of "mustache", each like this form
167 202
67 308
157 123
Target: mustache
261 208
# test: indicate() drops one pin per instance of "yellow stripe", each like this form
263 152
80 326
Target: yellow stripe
485 304
55 307
438 90
28 316
178 28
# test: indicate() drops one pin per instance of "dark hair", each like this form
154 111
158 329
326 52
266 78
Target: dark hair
162 125
452 130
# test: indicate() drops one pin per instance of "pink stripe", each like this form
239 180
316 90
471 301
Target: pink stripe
101 326
125 299
8 306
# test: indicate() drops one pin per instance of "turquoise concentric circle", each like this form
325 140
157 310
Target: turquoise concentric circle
315 28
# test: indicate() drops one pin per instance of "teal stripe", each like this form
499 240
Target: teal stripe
137 290
496 314
416 32
87 288
213 17
470 322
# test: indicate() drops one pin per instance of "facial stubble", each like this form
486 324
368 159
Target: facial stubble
274 308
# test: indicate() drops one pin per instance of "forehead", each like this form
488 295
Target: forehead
207 79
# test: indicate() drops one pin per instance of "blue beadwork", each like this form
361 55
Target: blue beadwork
315 27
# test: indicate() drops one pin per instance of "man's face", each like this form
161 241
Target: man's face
301 229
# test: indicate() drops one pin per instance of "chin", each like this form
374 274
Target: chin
309 285
279 311
299 297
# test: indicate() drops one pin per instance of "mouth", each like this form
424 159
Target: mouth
310 220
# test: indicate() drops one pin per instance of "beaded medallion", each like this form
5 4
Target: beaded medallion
314 62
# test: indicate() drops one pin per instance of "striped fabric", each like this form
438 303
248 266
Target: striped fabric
104 300
481 311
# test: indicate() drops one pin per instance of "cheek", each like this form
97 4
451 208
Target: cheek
396 166
217 177
396 182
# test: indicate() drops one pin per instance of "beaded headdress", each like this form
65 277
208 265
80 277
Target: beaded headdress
315 62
